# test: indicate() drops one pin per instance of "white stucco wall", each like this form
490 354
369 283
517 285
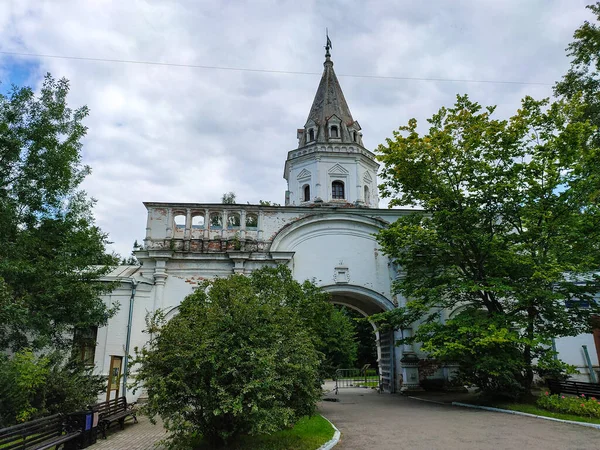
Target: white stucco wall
570 350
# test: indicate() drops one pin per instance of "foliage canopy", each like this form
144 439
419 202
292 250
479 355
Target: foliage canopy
240 357
32 386
504 229
51 251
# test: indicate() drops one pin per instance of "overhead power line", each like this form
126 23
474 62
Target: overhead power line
287 72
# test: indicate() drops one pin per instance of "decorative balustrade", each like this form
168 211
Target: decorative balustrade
203 228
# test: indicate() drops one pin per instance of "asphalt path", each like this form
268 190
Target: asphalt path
368 420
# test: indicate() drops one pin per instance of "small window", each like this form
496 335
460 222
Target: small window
84 345
233 220
354 136
367 199
311 135
334 131
251 221
306 192
197 222
337 190
216 220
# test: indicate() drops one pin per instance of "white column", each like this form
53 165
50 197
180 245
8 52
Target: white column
318 193
410 366
160 278
206 223
148 228
188 224
169 228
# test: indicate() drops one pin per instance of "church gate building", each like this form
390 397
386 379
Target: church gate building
324 233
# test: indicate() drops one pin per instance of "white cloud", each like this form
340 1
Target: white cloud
183 134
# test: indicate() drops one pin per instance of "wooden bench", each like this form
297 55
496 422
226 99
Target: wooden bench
40 434
574 387
111 411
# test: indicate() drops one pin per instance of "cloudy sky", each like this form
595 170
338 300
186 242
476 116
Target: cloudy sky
189 134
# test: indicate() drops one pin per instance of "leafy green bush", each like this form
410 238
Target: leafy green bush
237 359
32 386
580 406
487 352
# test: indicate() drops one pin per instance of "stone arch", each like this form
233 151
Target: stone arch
368 302
339 253
290 236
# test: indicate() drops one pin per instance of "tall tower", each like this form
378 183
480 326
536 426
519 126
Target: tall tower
331 165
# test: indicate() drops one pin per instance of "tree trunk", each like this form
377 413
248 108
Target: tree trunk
528 382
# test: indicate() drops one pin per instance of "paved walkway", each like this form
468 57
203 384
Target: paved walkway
368 420
135 436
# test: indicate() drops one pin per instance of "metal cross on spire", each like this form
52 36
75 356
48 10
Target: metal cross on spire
328 45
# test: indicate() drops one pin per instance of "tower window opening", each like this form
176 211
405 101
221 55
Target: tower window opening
311 135
334 132
306 191
337 190
354 136
367 195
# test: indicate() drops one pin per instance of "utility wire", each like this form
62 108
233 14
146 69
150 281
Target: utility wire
287 72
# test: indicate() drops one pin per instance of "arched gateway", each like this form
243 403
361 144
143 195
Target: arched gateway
339 252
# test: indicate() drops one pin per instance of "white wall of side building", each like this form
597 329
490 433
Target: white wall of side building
570 350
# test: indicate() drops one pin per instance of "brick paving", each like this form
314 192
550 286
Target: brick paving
135 436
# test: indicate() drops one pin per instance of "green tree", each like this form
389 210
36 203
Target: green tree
237 359
503 228
267 203
51 252
331 331
366 347
583 77
228 198
132 260
582 81
32 386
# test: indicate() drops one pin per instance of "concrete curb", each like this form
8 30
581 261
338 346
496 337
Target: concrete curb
334 440
519 413
428 400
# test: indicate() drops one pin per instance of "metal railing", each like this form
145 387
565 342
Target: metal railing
364 377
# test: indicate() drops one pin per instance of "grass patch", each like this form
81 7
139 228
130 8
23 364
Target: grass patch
371 384
309 433
532 409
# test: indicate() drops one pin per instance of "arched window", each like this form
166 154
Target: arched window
178 225
197 222
311 135
216 220
179 221
233 220
306 192
334 133
251 222
337 190
367 199
354 136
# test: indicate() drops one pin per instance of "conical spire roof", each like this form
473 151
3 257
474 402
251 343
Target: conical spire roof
329 99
